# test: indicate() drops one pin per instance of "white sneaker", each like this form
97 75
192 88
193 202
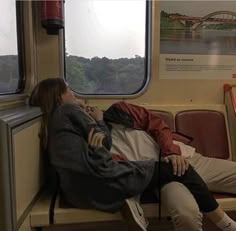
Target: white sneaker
134 215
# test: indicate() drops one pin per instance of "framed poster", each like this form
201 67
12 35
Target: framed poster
197 39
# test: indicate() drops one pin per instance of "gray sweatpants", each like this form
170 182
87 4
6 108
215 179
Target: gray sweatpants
219 175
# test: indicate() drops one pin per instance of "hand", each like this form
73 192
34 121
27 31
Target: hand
81 103
96 113
179 163
95 139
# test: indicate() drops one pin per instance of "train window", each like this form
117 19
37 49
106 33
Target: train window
10 81
107 46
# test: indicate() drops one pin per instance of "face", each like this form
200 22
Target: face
69 97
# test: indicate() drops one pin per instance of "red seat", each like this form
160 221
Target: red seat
208 129
223 195
166 116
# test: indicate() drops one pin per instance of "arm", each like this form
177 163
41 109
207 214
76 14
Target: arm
153 125
158 129
98 117
68 143
107 140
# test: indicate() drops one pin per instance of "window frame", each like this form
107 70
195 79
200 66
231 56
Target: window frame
147 60
20 45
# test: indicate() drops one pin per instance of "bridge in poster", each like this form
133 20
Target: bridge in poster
193 23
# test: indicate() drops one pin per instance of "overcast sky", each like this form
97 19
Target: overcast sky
113 29
110 28
8 41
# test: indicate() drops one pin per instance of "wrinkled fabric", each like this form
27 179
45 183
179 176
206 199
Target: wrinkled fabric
91 172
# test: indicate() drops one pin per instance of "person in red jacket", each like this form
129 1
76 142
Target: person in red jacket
139 134
78 142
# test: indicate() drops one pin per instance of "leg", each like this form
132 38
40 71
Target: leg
206 202
185 213
222 220
182 207
219 175
191 180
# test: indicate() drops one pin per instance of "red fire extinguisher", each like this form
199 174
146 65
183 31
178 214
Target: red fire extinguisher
52 15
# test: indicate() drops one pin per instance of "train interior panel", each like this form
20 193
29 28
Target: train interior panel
173 58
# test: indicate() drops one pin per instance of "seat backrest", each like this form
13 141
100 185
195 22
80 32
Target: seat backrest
166 116
208 129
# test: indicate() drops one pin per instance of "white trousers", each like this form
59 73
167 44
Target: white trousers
219 175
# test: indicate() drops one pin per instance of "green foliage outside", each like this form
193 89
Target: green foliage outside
105 76
86 76
9 74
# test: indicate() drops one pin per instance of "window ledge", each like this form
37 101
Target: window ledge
7 101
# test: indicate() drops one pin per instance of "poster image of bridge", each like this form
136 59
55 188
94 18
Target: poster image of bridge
198 27
200 35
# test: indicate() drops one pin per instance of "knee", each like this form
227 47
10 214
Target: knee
182 207
187 218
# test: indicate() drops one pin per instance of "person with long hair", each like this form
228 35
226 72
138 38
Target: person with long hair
78 142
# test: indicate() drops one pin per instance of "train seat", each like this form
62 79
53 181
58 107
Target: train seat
64 215
40 214
167 117
192 123
208 129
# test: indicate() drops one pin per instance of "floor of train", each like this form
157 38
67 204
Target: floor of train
154 225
